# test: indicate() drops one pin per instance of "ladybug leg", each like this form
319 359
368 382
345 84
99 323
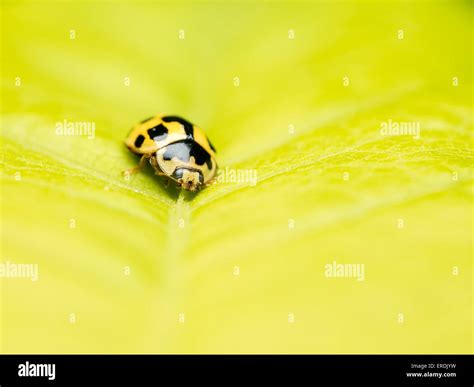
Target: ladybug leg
155 166
140 165
158 171
213 181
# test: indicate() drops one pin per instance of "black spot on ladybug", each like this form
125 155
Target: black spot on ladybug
184 150
212 146
145 120
139 141
158 133
188 127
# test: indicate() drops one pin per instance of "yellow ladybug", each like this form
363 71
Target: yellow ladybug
176 149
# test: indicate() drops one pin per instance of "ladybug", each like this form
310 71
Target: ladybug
176 149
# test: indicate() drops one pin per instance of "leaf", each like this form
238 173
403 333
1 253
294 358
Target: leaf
134 266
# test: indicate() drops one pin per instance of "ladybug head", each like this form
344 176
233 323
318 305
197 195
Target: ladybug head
188 179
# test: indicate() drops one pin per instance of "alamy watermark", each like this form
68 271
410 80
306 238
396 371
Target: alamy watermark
345 270
19 270
239 176
76 128
28 369
400 128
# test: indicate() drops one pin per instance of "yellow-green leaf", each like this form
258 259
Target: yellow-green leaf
306 97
